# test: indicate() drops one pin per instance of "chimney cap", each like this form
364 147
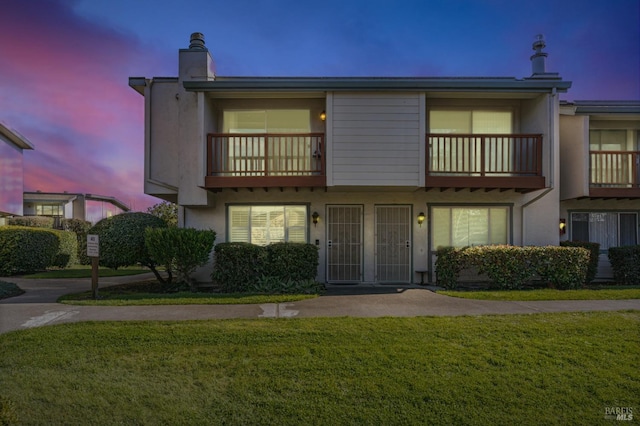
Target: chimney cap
197 41
539 43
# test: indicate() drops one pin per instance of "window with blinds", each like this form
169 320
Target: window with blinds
264 225
469 226
609 229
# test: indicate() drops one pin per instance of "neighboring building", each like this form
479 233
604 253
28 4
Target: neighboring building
89 207
600 173
12 145
354 165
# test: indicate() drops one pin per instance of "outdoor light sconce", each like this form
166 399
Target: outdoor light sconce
420 218
315 216
323 116
563 226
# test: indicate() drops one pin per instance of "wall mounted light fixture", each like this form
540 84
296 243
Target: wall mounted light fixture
314 217
323 115
563 226
420 218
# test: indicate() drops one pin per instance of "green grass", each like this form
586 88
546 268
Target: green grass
551 369
596 293
84 271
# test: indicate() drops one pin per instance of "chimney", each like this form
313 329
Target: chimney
538 59
196 63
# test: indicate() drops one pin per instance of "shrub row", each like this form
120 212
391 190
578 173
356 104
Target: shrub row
240 266
511 267
26 250
31 221
594 255
625 262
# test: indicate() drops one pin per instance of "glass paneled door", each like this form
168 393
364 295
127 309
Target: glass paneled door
344 244
393 244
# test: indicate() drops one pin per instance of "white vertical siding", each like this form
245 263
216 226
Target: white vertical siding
376 139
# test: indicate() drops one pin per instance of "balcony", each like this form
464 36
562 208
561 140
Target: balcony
614 174
265 160
484 161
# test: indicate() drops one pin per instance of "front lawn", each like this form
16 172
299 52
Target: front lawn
84 271
593 293
552 369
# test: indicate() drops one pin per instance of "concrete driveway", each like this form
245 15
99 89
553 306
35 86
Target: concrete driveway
38 306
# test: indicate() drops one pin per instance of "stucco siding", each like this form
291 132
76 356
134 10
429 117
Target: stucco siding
376 139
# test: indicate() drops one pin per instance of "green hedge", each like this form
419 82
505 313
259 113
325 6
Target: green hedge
26 250
625 262
239 266
594 255
31 221
81 229
511 267
67 254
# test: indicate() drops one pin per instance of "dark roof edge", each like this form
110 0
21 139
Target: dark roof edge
302 84
604 107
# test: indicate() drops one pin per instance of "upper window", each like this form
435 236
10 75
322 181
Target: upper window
264 225
613 140
49 210
470 121
469 226
267 121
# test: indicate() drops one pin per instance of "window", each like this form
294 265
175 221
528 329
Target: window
609 229
469 226
264 225
49 210
267 121
470 121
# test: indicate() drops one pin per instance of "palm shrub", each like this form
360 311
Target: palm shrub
122 240
181 250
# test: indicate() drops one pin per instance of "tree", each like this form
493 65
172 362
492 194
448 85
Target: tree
122 240
166 211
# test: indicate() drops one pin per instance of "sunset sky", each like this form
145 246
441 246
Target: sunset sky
65 64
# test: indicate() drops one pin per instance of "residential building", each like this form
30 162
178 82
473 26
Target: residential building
377 172
12 145
64 205
600 173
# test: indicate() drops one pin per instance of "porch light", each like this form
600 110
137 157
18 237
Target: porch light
315 216
420 218
563 226
323 115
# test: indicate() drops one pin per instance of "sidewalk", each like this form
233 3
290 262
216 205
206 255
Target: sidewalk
38 307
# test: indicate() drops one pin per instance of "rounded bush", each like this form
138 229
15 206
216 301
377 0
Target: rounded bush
122 239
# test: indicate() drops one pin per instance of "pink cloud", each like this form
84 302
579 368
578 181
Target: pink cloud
64 86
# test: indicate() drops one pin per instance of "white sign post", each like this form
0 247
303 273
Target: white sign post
93 251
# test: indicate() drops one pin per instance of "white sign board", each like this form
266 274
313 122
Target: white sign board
93 246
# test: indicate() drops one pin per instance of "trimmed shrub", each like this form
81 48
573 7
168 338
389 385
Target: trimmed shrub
625 262
511 267
122 240
561 267
238 265
292 261
31 221
275 285
508 267
180 249
449 262
67 254
594 255
25 250
81 229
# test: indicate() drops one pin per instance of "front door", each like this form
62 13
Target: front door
344 244
393 243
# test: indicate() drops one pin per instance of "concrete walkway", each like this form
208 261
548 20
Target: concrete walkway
38 307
